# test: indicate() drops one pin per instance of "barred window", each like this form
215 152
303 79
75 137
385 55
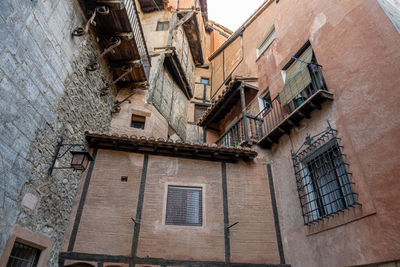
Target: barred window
23 255
322 180
184 206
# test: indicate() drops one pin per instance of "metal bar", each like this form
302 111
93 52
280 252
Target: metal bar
127 70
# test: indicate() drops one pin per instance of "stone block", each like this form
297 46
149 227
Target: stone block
8 63
35 29
7 131
29 201
22 169
6 9
11 210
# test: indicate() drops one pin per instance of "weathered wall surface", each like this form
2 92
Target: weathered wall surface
106 226
253 239
184 55
111 203
357 46
209 238
45 93
170 101
155 124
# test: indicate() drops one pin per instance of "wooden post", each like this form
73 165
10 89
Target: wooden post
205 134
243 101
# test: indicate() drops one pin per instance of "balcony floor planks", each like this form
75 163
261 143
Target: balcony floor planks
294 118
117 21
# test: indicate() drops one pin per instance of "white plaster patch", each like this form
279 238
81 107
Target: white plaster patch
29 201
318 23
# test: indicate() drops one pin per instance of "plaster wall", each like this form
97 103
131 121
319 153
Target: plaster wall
155 124
357 46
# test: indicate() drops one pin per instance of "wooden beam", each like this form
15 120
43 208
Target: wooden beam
315 105
180 76
304 115
133 84
185 18
114 63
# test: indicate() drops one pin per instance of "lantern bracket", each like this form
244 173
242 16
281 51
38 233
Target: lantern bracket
59 155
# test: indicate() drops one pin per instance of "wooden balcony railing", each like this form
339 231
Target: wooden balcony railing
283 113
243 131
132 11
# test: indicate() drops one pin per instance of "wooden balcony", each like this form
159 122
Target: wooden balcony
192 31
244 132
280 116
152 5
276 121
120 34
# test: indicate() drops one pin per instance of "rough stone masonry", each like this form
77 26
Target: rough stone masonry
45 93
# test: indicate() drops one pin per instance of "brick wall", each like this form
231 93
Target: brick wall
106 227
45 93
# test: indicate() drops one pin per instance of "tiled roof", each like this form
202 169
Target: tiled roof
169 147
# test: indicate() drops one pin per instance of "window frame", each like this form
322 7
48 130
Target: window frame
201 187
28 238
263 102
266 42
17 260
204 78
161 25
323 183
137 121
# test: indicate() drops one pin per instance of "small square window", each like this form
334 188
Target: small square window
205 81
23 255
184 206
162 26
138 122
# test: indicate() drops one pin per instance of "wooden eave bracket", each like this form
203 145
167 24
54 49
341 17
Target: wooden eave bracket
178 71
185 18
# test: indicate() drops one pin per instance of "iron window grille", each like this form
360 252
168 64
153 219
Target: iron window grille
23 255
323 182
184 206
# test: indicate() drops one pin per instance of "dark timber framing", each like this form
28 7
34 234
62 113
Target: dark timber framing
139 208
276 217
170 148
82 202
149 260
226 214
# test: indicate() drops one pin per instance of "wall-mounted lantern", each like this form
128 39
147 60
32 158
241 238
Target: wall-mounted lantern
80 158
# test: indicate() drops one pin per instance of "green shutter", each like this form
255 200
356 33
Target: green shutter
297 78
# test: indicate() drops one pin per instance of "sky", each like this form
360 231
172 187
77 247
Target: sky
231 13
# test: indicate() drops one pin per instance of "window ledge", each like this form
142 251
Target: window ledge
347 216
29 238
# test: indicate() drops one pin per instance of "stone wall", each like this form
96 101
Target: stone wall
45 93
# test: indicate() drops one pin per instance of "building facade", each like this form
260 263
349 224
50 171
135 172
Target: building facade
330 151
274 145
